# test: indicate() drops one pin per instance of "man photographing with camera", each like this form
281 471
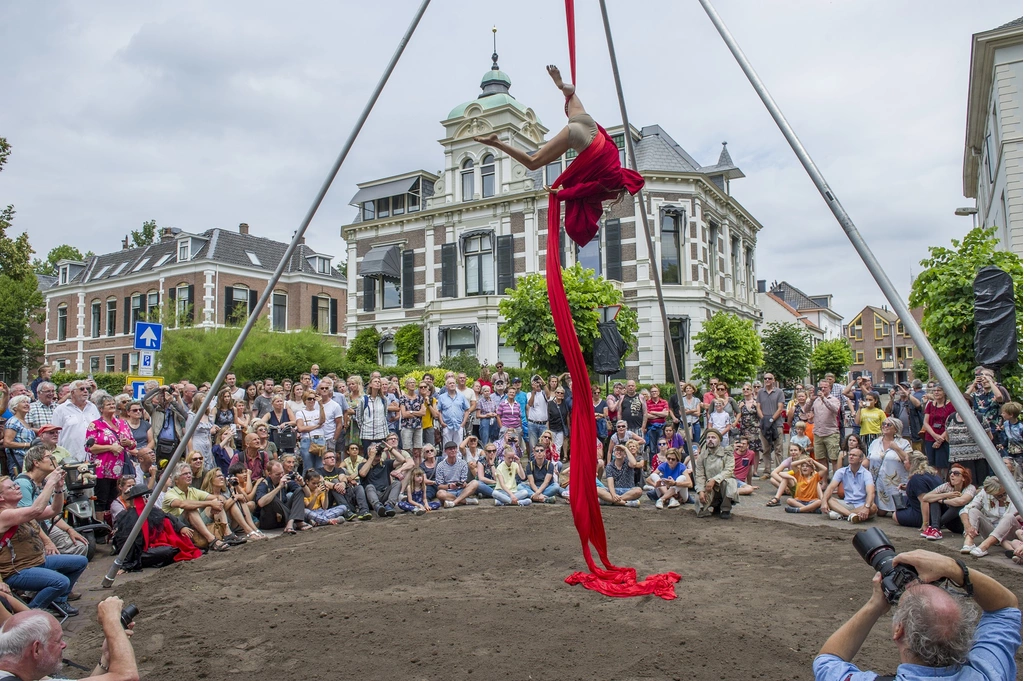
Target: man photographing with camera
32 646
938 634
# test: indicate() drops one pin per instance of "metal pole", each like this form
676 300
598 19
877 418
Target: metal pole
108 580
981 438
655 274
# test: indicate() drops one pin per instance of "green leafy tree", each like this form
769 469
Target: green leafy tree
20 300
832 356
409 343
945 292
149 234
530 328
363 347
787 351
920 369
56 254
729 349
462 363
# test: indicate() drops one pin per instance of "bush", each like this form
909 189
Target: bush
363 347
409 344
463 362
113 383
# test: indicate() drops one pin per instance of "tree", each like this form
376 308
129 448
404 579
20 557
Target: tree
945 292
530 328
729 349
409 344
363 347
56 254
831 357
920 369
787 351
20 299
149 234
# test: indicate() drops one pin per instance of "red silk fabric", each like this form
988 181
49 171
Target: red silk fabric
570 25
587 181
167 536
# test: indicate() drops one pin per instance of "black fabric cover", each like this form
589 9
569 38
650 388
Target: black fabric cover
609 348
995 318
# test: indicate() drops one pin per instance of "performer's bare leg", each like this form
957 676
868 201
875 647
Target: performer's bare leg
573 105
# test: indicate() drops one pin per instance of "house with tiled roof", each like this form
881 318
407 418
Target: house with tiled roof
814 310
208 280
441 249
882 347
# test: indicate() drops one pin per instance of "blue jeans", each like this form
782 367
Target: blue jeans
485 490
552 490
485 430
505 500
308 460
534 431
52 581
654 431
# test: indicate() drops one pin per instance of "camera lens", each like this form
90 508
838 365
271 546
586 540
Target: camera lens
128 613
876 550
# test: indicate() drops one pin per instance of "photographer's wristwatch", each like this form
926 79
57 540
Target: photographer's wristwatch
966 579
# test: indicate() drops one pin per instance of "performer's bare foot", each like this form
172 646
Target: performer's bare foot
556 75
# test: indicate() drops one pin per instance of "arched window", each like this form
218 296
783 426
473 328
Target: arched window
467 180
487 176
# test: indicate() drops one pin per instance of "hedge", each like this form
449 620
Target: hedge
113 383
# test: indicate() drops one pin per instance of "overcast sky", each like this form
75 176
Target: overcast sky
203 115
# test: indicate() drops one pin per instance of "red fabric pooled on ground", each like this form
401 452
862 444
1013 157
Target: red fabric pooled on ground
165 535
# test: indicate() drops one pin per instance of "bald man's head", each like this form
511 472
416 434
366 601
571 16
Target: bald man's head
932 627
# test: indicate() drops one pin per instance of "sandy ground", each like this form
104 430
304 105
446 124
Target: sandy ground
478 593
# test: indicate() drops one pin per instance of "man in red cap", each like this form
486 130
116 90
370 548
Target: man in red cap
47 436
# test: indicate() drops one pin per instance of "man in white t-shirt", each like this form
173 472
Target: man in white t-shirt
536 411
334 416
231 383
466 391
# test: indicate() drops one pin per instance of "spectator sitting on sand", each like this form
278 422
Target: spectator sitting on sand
988 516
539 477
741 470
946 501
804 479
196 507
620 478
454 486
242 522
858 491
507 475
315 500
280 500
414 488
671 483
485 471
715 484
339 491
923 479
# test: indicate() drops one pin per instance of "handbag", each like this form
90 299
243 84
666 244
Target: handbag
900 501
317 449
284 438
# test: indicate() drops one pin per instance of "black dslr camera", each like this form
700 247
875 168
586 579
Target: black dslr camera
877 551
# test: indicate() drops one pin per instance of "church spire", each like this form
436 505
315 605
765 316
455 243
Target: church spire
494 81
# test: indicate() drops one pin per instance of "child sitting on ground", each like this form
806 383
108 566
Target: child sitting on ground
317 512
806 477
414 489
796 452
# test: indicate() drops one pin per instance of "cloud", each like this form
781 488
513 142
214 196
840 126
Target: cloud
206 115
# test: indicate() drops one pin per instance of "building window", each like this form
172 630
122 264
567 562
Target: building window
860 357
383 207
388 353
279 312
182 305
671 249
133 363
108 364
94 364
590 255
487 176
323 266
97 318
467 180
459 340
153 303
239 303
570 154
678 332
64 276
910 352
369 213
620 142
142 263
62 322
111 316
507 354
879 353
397 205
900 330
323 314
479 266
136 312
390 293
184 251
551 172
414 196
713 256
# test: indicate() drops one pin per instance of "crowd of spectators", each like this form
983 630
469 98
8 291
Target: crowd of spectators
323 450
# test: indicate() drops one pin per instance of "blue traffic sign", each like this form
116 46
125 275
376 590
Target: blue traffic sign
148 336
138 390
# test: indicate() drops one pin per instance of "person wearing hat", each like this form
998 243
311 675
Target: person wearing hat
163 540
48 436
715 483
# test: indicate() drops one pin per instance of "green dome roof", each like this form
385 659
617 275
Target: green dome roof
494 75
488 102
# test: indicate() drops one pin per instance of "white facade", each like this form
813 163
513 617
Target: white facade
993 149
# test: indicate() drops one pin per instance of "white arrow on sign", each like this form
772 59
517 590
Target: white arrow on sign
148 337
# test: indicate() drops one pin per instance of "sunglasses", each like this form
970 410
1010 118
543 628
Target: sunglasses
490 449
310 399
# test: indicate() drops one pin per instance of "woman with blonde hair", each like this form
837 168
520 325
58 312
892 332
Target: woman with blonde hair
990 517
201 440
355 396
235 508
887 456
18 435
923 479
946 500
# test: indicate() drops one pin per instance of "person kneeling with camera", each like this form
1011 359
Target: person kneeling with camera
32 646
937 633
280 500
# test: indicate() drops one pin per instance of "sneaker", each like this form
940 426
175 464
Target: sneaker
449 504
704 512
472 501
419 511
673 503
365 515
549 500
633 504
71 610
792 509
933 534
389 510
725 515
525 502
925 532
834 516
74 595
978 552
854 518
349 517
966 548
659 504
381 512
498 502
565 494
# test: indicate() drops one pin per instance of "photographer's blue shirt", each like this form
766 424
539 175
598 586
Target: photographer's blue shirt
991 658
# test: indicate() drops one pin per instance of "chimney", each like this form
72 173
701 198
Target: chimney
167 234
761 285
124 243
243 227
302 240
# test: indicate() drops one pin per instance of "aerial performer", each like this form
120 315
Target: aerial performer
594 176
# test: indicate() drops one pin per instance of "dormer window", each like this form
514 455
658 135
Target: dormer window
184 250
64 274
369 210
323 266
383 207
